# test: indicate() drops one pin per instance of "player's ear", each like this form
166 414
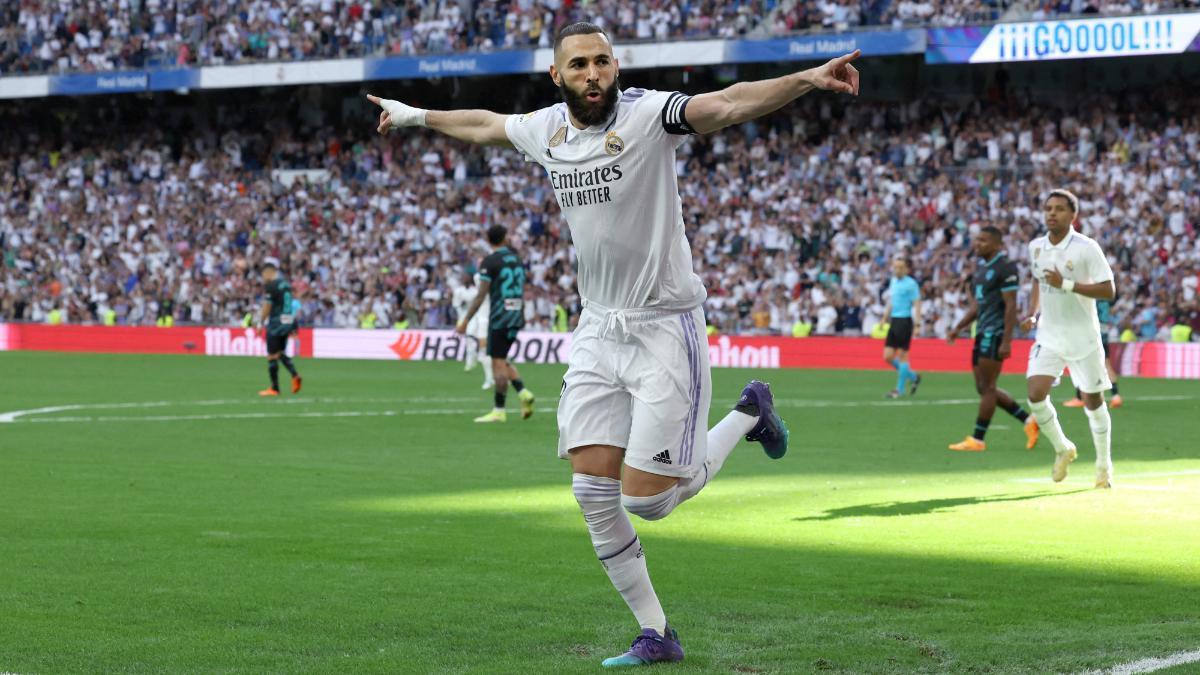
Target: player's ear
554 76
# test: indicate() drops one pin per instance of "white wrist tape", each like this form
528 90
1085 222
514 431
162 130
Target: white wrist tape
402 115
1068 285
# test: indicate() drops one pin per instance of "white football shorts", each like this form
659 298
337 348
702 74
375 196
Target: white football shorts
1088 373
477 327
639 380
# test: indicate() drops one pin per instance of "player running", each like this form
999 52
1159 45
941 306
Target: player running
904 316
1104 312
1070 273
277 314
635 398
502 284
477 327
995 313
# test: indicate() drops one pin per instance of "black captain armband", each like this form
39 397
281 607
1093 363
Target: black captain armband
673 119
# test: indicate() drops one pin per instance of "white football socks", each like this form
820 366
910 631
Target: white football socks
618 548
1101 424
1047 419
722 439
472 354
489 375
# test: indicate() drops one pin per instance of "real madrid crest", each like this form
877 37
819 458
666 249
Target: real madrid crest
1070 266
613 144
1036 252
558 137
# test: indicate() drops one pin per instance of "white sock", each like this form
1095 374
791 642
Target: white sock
1101 424
618 548
489 376
1047 419
471 354
722 439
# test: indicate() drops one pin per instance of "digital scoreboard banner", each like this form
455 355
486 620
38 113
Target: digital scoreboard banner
1069 39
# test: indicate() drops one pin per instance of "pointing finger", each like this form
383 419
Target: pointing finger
849 57
374 99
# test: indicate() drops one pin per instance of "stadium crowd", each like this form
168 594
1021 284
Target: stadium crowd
58 36
793 220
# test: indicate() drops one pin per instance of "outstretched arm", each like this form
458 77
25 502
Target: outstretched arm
482 127
748 100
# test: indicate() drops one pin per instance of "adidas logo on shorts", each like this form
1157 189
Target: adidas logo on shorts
664 457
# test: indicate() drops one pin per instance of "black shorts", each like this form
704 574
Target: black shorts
899 336
276 343
501 341
987 346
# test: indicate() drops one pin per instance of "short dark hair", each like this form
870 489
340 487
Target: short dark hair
578 28
992 231
496 235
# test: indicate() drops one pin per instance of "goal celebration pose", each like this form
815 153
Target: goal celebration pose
634 409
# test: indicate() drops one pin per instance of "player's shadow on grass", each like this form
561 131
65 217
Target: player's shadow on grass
885 509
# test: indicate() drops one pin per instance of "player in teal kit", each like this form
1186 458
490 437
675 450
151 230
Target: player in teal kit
278 313
502 282
995 316
904 316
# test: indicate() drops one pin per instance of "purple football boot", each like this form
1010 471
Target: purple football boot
770 431
649 648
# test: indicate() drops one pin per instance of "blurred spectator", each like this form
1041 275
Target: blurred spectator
55 36
793 222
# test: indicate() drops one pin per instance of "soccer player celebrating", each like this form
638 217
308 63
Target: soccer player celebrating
502 283
1070 273
995 314
476 348
635 398
1104 311
277 314
904 316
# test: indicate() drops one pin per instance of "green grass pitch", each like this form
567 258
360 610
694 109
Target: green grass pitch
366 525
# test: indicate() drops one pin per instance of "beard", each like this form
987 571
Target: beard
587 112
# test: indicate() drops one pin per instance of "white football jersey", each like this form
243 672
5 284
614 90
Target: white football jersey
618 190
1069 324
462 298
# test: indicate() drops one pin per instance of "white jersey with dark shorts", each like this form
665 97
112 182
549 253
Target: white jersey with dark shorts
1068 332
638 375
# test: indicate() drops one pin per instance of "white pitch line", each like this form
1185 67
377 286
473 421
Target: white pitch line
801 403
259 416
1150 665
1122 476
14 415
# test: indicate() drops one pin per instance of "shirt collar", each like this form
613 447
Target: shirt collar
605 126
1066 240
